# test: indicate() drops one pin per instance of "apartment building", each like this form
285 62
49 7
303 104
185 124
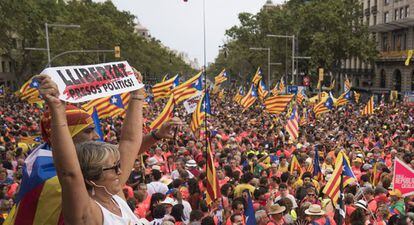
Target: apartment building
392 25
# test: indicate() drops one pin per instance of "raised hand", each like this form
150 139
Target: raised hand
166 130
49 91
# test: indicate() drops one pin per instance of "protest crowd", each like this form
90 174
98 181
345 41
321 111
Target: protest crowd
262 176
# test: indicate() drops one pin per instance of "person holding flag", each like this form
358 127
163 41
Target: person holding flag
81 129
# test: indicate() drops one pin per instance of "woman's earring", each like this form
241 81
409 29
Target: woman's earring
93 191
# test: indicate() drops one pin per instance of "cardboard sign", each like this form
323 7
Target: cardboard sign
190 104
84 83
403 178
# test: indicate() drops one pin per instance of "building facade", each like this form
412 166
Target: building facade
392 25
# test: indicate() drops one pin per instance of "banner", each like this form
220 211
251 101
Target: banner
84 83
190 104
403 178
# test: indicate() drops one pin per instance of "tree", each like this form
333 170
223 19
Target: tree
329 31
102 26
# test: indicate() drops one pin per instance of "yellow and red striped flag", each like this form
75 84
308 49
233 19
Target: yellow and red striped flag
111 106
257 76
163 89
198 116
300 97
357 96
249 98
29 91
304 118
220 78
342 172
347 84
281 85
212 186
165 115
292 125
343 99
239 95
188 89
262 90
277 104
369 107
275 90
323 106
295 165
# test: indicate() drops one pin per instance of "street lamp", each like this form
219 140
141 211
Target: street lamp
268 61
47 25
293 49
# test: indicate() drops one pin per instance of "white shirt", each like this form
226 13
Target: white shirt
127 218
156 187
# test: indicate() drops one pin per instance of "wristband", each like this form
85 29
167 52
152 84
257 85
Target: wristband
153 135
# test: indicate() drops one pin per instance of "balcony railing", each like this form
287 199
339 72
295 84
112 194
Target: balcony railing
393 54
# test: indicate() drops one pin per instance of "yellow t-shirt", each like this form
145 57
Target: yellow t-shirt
238 190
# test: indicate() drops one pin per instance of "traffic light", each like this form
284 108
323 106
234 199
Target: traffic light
117 52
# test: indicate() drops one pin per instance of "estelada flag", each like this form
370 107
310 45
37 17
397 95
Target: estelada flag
403 178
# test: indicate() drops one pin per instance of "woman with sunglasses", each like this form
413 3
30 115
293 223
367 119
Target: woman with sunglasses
90 174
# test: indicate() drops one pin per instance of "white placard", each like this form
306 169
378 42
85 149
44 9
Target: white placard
190 104
84 83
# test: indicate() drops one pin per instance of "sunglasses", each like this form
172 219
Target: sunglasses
116 167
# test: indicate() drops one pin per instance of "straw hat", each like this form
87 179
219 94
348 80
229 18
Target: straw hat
315 210
276 209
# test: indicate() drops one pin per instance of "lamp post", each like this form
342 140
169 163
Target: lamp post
293 49
47 25
268 61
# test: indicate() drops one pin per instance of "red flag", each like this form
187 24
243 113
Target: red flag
403 178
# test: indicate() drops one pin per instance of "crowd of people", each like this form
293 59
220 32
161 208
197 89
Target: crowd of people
253 154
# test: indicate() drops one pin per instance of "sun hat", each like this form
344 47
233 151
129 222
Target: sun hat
168 201
362 204
276 209
315 210
191 163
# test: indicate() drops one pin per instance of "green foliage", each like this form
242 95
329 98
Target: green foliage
329 31
103 26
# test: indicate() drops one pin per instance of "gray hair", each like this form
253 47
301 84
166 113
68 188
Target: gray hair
92 155
260 214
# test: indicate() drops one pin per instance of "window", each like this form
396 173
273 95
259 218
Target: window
401 13
396 14
3 66
407 11
412 81
386 17
385 42
367 20
369 4
383 79
386 2
10 67
374 20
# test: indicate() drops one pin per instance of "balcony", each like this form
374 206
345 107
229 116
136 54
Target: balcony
374 9
392 56
357 72
366 12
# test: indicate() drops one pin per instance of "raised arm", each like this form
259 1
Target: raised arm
76 205
131 133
